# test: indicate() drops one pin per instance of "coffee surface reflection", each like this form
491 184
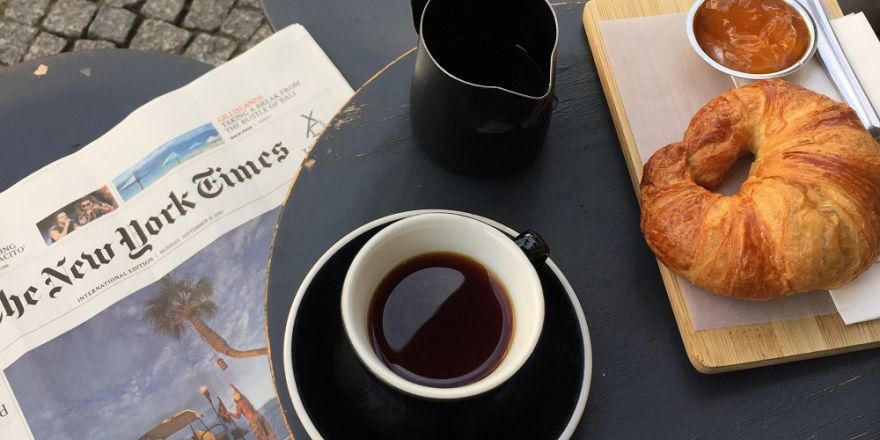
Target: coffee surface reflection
441 320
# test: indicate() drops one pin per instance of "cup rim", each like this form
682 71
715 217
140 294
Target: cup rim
550 80
368 357
801 62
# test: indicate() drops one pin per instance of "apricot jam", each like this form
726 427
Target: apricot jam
752 36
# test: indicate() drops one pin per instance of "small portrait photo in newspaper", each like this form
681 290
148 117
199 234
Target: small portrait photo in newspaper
76 214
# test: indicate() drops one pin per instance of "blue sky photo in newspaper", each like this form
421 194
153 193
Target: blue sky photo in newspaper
163 159
117 376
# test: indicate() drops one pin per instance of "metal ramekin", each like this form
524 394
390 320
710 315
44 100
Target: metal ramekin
811 49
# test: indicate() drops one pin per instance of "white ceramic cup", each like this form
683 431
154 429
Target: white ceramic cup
442 232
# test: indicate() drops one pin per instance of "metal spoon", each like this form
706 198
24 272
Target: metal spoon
839 69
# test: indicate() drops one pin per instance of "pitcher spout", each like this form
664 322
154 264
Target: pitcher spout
418 6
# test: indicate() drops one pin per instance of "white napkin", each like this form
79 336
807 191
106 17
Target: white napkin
859 300
862 49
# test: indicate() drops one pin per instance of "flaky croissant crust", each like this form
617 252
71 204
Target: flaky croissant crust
807 217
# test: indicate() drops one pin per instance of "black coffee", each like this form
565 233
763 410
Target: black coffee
441 320
491 61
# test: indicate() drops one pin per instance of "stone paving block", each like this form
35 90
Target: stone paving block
35 28
261 34
26 11
251 4
15 38
210 49
207 15
122 3
166 10
160 36
112 24
44 45
242 23
92 45
70 17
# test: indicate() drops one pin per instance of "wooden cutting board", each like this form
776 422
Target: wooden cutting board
733 348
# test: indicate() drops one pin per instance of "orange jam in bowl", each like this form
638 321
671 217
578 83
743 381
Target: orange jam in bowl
752 36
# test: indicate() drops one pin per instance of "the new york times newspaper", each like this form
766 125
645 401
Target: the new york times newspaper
132 273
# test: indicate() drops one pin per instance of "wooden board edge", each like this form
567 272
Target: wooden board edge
823 322
591 24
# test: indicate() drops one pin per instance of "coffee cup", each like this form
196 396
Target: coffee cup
443 306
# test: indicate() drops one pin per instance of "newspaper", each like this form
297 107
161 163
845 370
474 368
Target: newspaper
132 274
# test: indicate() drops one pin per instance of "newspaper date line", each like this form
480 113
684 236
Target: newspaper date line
136 236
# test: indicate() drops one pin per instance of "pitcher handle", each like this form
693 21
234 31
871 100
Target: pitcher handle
418 6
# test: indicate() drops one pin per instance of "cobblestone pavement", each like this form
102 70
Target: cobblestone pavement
210 31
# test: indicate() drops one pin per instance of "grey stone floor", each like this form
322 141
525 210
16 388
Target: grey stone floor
212 31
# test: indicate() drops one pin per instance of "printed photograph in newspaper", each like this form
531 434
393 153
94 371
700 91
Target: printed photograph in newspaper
182 358
165 158
76 214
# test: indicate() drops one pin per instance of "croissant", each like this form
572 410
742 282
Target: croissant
806 218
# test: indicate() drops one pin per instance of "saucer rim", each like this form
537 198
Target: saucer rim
300 410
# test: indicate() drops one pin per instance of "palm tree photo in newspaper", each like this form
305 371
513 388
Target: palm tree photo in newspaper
184 303
154 355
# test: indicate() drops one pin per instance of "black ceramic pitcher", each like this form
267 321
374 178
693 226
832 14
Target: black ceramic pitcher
483 88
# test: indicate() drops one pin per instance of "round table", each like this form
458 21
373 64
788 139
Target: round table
579 196
80 97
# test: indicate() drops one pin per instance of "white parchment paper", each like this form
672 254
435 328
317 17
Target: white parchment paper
663 83
860 300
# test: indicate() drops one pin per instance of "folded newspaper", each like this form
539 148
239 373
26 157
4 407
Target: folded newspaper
132 293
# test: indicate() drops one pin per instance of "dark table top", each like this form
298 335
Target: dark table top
85 94
81 96
578 194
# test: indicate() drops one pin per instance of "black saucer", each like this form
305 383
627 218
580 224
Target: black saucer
337 398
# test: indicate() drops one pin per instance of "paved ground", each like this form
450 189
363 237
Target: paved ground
211 31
